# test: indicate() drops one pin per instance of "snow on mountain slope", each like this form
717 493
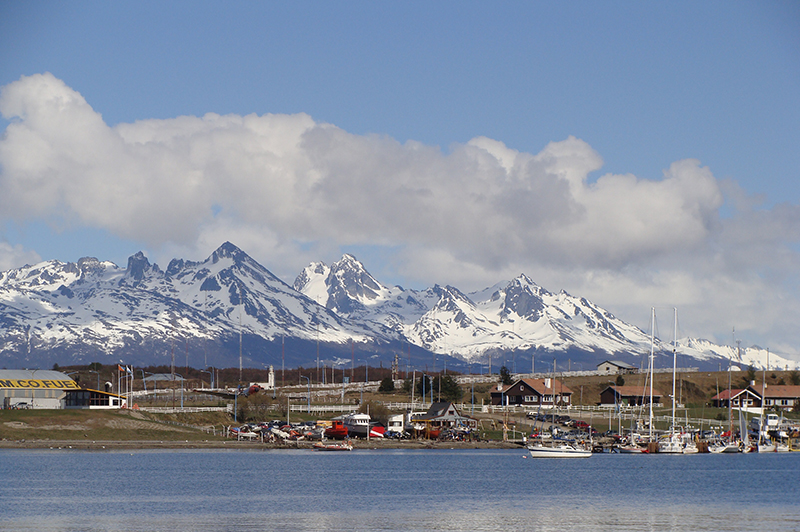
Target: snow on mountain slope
348 289
92 307
102 307
516 315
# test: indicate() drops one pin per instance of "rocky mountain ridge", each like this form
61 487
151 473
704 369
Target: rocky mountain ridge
229 306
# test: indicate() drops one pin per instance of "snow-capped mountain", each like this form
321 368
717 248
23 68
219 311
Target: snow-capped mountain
228 304
93 309
518 317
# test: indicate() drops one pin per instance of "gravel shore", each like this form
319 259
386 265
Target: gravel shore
374 444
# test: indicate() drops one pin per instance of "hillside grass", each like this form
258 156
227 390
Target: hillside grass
107 425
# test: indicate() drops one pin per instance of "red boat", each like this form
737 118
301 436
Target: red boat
337 431
376 430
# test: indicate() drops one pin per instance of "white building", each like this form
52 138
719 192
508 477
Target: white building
615 367
47 389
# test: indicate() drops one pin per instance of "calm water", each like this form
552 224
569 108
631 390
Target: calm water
394 490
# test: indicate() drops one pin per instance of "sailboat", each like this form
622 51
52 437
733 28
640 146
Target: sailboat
674 442
730 446
557 448
766 446
635 440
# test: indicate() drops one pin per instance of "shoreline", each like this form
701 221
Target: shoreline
109 445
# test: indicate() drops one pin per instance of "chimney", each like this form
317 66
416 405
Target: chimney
547 383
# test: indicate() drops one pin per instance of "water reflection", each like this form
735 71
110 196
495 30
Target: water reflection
393 490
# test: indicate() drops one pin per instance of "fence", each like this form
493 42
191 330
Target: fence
185 410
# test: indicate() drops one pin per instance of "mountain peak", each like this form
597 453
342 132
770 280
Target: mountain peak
228 250
89 264
349 279
138 265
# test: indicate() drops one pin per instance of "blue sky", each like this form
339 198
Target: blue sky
531 102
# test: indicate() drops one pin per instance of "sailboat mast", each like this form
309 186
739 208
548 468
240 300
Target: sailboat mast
652 348
763 399
730 399
674 363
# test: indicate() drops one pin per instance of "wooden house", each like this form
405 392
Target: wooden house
745 398
628 396
532 392
778 396
444 415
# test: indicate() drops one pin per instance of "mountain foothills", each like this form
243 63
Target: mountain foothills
229 308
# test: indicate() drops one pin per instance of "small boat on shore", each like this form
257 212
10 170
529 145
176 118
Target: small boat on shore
343 446
361 426
337 430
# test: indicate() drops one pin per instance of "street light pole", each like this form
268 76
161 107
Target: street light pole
210 376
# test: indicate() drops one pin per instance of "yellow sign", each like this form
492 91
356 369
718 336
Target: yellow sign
38 384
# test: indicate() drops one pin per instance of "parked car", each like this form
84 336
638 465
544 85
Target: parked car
581 424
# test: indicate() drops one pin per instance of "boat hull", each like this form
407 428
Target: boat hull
337 431
725 449
558 451
631 450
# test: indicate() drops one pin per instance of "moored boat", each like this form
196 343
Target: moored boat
631 449
558 450
724 448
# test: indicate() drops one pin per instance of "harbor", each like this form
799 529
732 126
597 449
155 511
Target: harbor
393 490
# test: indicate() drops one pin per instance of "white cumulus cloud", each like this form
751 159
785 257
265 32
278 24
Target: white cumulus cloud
287 188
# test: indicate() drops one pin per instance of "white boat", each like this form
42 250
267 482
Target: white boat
671 444
558 450
357 425
670 447
631 449
724 448
767 448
